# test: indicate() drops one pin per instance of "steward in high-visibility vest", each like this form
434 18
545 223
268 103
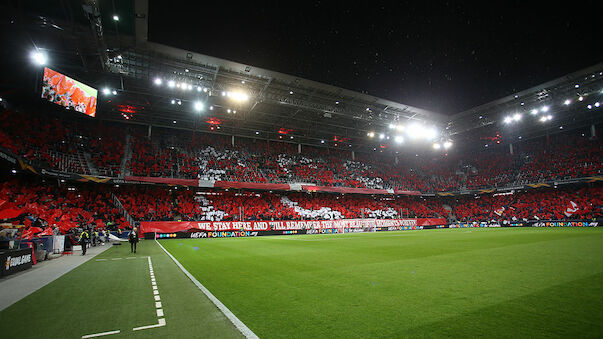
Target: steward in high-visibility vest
83 241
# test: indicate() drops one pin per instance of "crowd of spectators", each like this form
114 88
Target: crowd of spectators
44 203
64 145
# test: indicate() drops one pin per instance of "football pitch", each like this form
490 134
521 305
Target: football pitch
528 282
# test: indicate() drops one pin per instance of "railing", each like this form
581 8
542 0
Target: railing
122 210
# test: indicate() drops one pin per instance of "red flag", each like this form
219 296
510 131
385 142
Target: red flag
571 209
47 231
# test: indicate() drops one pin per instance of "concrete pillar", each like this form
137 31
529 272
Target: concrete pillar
353 156
511 149
593 131
232 140
149 132
298 148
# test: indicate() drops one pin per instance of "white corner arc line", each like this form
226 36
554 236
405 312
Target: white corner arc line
233 318
100 334
161 322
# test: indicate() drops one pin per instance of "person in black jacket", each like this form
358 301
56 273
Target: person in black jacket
84 241
133 239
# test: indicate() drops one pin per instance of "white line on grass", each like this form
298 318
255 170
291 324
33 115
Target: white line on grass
233 318
161 322
100 334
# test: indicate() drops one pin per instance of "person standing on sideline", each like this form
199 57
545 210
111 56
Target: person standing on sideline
133 239
83 241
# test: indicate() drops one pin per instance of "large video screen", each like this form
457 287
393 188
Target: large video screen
69 93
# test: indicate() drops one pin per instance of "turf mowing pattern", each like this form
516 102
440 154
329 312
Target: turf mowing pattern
116 294
529 282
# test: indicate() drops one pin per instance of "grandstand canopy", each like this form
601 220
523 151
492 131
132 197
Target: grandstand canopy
83 40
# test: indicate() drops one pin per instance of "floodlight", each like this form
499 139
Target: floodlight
436 146
597 104
589 106
239 96
179 102
158 81
516 116
544 109
39 57
189 87
114 92
580 98
399 139
198 106
106 91
508 120
392 126
447 144
567 102
431 133
198 89
171 84
534 111
322 141
173 101
115 18
381 136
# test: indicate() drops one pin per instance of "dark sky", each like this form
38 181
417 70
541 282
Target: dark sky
442 56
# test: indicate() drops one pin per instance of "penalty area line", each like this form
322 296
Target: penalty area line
233 318
100 334
161 322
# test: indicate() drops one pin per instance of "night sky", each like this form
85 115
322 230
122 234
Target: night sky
446 57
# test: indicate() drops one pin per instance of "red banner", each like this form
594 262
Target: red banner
252 185
167 181
183 226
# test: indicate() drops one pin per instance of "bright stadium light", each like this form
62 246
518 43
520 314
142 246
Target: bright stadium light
546 118
173 101
544 109
115 18
198 88
580 98
534 111
392 126
158 81
431 133
171 84
114 92
436 146
381 136
567 102
399 139
370 134
508 120
204 89
189 87
106 91
198 106
239 96
322 141
39 58
516 117
597 104
447 144
589 106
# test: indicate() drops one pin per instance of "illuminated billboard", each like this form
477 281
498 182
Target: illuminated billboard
69 93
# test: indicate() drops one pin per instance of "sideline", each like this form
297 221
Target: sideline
233 318
18 286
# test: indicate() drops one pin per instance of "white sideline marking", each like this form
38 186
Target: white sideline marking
157 298
161 323
158 304
155 292
100 334
154 287
116 259
131 258
160 312
233 318
101 259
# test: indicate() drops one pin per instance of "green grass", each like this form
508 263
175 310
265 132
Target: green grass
101 296
438 283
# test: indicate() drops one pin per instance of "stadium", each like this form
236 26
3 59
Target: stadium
148 190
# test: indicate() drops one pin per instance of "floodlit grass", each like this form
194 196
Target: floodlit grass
439 283
101 296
